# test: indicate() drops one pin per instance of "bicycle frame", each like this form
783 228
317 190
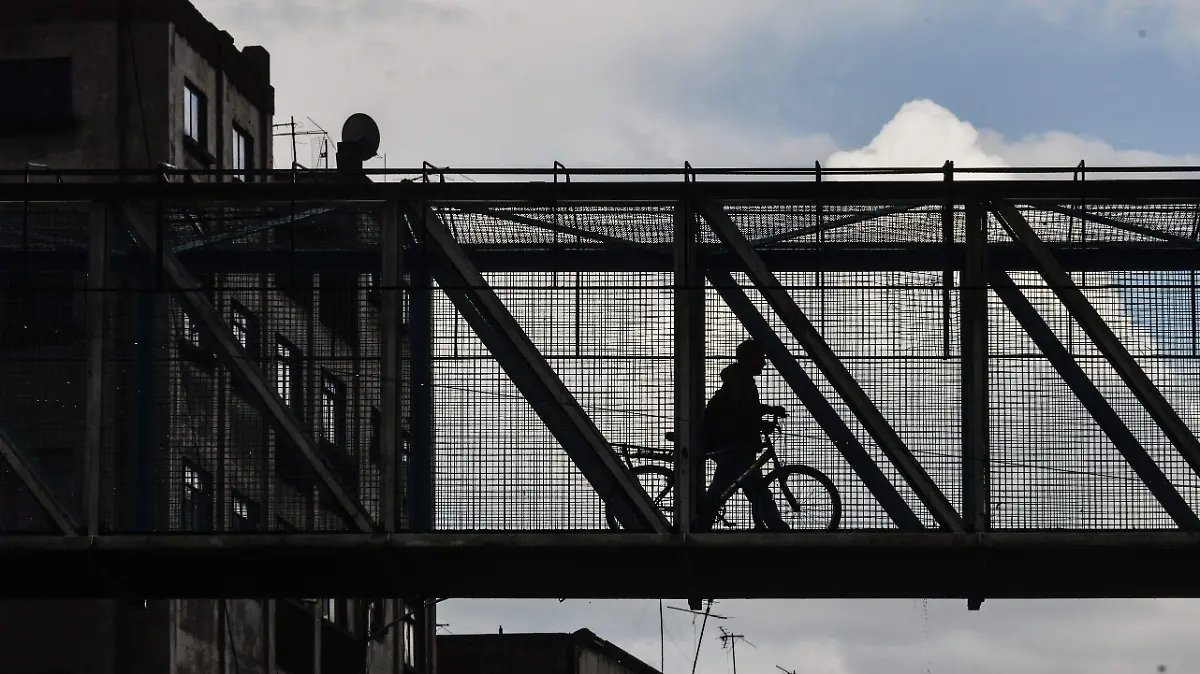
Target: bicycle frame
629 452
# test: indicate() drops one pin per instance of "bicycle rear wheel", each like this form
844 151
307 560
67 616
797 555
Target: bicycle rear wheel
806 498
659 483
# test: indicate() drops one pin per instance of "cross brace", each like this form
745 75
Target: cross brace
1101 335
831 367
538 382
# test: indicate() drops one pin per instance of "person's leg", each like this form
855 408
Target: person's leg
729 469
756 491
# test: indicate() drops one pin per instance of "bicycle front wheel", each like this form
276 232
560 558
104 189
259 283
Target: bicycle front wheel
806 498
659 483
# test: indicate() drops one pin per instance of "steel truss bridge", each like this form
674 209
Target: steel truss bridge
999 375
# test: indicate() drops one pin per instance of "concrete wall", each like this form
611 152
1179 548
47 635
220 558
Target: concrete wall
593 662
92 47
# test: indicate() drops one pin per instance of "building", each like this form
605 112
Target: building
139 85
580 652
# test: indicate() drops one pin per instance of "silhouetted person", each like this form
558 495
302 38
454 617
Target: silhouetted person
732 435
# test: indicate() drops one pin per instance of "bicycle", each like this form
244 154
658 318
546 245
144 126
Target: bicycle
820 490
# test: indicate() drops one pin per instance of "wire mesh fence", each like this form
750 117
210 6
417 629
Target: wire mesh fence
189 446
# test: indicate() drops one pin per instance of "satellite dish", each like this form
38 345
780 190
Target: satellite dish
361 134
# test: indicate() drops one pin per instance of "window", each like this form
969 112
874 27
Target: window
245 513
243 153
333 410
410 640
334 611
196 502
35 95
376 616
374 447
191 330
289 375
195 114
245 328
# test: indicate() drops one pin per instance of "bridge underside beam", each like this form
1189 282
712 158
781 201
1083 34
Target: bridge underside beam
593 565
613 258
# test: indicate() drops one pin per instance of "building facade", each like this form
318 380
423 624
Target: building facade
580 652
150 85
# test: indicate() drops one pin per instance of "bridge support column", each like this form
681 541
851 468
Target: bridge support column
973 299
833 369
690 342
99 245
390 408
241 366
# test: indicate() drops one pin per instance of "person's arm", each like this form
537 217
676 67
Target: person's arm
743 397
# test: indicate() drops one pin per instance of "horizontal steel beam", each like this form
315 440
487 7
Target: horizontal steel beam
545 258
515 191
718 565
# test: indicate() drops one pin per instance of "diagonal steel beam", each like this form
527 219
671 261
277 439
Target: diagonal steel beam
1116 224
243 367
1101 335
831 366
815 401
548 226
40 491
836 223
1093 400
538 382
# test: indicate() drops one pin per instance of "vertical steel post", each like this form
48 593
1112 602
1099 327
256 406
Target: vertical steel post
97 311
973 294
948 240
420 330
689 365
390 399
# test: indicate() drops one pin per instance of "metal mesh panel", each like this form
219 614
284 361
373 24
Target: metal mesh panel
609 338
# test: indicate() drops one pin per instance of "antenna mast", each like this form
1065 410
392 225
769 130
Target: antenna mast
729 640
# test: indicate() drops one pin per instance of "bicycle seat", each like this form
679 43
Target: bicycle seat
671 436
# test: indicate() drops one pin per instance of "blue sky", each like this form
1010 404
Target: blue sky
997 67
770 82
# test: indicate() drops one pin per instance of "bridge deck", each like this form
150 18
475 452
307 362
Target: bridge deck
599 565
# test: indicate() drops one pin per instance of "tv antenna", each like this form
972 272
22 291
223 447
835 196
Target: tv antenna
785 671
729 640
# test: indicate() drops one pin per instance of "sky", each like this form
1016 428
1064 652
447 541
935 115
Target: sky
770 83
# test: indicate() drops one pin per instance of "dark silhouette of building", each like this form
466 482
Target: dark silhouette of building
580 652
141 85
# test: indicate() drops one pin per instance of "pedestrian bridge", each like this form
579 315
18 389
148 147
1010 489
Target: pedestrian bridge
443 385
